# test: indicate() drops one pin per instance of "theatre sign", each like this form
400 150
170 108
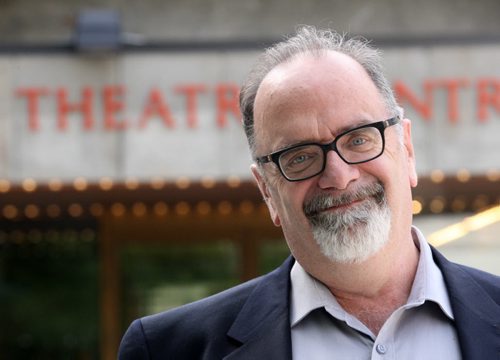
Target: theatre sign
176 114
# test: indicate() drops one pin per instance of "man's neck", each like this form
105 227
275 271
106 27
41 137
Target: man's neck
374 289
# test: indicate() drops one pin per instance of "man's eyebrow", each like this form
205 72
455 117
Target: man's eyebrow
353 126
288 144
295 143
338 132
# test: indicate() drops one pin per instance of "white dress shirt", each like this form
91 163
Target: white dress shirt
423 328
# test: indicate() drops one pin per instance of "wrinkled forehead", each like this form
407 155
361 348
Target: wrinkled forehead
312 87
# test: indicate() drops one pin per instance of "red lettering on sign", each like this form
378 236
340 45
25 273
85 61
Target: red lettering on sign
191 92
32 95
112 105
488 94
452 87
423 107
156 106
227 101
485 91
84 107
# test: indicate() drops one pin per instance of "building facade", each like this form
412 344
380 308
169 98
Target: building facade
124 172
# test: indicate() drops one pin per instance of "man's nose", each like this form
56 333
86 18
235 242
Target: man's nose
337 174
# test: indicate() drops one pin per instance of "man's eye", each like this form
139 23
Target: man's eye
299 159
358 141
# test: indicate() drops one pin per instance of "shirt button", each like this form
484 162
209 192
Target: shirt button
381 349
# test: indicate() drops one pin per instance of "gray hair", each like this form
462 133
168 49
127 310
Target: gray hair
316 42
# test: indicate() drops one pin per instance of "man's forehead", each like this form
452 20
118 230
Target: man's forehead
304 74
310 64
303 87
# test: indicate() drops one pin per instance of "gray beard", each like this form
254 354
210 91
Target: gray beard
350 235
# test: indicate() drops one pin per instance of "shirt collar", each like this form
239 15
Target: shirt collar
429 282
308 293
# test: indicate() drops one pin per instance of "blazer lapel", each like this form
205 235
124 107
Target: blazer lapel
263 325
477 315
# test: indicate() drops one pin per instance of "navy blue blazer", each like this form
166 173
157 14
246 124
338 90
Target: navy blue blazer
251 321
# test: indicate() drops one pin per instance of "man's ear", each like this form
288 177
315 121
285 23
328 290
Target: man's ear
412 172
264 190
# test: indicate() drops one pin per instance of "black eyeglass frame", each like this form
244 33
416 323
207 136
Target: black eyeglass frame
379 125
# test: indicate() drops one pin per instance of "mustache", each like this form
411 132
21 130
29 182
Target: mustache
324 201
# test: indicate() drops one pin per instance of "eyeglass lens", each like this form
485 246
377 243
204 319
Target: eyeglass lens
356 146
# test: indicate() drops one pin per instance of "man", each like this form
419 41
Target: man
335 164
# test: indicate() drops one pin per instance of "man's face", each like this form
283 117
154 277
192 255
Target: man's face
313 99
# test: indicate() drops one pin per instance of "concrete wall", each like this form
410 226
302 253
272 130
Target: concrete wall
121 130
53 20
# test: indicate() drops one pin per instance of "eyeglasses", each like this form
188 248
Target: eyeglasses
355 146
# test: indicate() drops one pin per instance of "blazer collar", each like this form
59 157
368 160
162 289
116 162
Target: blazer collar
477 315
263 325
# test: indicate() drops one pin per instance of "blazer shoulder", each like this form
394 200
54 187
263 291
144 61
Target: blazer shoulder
465 280
134 345
489 282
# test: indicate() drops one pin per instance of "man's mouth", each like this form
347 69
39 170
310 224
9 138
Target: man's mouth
328 203
337 206
342 206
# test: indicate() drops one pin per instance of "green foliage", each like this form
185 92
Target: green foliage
48 299
157 278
